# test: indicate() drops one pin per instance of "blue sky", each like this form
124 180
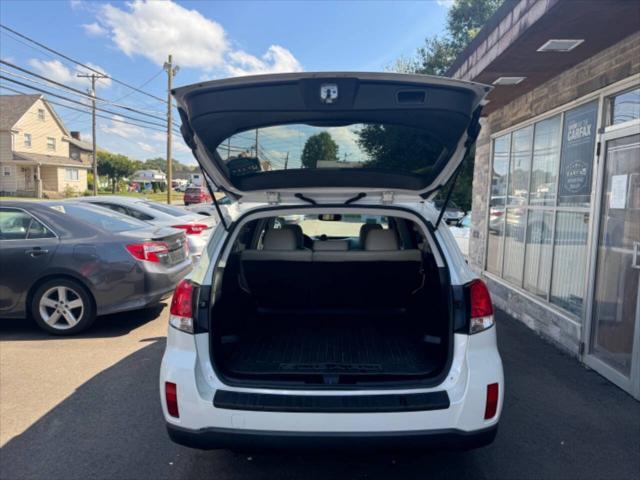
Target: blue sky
129 41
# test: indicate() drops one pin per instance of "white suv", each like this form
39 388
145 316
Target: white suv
332 306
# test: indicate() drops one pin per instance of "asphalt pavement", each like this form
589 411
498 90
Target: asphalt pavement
88 407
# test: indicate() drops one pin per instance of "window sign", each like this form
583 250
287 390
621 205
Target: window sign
576 163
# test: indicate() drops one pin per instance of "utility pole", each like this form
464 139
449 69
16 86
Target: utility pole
93 77
257 156
286 161
171 71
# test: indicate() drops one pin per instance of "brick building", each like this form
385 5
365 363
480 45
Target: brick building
556 189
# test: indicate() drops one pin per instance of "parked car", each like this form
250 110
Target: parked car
197 227
386 340
64 263
208 209
460 232
197 194
452 214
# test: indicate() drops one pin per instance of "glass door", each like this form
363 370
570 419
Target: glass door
615 320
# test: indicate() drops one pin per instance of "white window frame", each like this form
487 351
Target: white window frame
41 114
602 96
26 143
7 171
70 173
51 143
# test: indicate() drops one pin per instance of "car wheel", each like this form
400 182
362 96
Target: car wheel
62 307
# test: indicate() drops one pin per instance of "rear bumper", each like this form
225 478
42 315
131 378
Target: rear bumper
226 438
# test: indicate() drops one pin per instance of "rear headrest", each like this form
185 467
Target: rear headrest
330 245
365 229
381 240
297 231
279 239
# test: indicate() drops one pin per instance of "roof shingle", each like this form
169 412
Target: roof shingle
13 107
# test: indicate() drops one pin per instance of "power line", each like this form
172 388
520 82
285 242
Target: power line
78 102
66 57
88 112
75 90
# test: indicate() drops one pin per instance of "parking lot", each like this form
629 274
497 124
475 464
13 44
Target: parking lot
88 407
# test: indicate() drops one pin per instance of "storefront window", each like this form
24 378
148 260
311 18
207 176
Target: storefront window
537 270
519 166
514 245
576 162
539 206
625 107
497 201
569 261
544 168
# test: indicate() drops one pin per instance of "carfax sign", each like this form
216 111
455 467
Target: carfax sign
576 163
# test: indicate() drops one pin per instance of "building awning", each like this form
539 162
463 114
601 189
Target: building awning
53 160
509 44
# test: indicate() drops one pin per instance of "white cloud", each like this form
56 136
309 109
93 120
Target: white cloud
277 60
146 147
179 146
56 70
94 29
155 29
77 4
445 3
115 127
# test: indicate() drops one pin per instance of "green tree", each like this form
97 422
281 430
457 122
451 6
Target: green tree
319 147
114 166
464 20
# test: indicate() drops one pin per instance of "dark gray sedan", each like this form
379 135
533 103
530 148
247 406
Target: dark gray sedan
64 263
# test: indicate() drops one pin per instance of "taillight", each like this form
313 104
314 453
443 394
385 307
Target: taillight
192 228
481 307
148 251
181 311
171 396
491 407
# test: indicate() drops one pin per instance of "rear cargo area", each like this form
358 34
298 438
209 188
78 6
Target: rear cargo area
353 346
296 317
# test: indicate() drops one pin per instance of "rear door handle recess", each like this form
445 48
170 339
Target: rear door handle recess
37 251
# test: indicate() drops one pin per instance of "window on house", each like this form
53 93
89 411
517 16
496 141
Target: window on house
41 114
27 140
6 171
51 143
71 174
539 206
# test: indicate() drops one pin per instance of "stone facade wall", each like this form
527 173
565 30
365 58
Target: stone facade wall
609 66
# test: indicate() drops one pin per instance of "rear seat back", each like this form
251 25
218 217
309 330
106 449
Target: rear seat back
277 274
379 276
281 276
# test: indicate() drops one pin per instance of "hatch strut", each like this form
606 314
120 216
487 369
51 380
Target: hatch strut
446 200
215 200
473 130
222 220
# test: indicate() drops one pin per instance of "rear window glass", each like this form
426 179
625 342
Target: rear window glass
99 217
169 210
341 225
359 146
195 191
